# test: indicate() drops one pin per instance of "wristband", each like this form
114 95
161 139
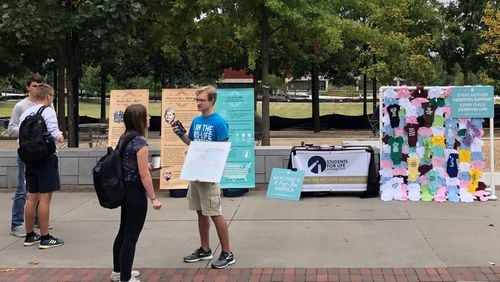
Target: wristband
152 199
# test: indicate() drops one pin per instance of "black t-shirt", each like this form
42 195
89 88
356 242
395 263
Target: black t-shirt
393 111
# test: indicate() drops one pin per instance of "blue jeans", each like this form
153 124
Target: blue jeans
19 196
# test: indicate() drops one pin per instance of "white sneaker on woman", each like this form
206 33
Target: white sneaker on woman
115 276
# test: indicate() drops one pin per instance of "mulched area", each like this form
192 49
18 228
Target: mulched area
260 274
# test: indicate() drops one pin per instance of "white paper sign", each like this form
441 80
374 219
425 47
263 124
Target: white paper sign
205 161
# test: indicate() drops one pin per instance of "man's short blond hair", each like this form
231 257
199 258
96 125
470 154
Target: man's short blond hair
43 91
210 90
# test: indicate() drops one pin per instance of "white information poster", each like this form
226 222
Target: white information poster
205 161
119 101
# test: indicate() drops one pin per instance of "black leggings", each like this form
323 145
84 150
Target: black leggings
133 215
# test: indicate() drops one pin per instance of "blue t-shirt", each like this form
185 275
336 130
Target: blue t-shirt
210 128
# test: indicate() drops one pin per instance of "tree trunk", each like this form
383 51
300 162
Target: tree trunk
72 143
76 108
374 85
256 89
171 74
315 98
102 90
61 98
264 38
56 94
73 60
365 96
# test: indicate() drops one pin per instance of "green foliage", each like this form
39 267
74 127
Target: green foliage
158 44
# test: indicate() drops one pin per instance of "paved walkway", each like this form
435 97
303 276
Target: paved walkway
333 238
262 274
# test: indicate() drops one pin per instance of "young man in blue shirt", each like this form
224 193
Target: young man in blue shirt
204 197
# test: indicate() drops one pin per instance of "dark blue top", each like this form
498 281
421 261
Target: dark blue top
130 168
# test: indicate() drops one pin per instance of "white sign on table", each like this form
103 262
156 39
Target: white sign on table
205 161
336 171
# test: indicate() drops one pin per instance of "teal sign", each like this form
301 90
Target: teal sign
237 107
472 102
285 184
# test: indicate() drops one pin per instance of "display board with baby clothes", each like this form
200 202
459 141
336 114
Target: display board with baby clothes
426 154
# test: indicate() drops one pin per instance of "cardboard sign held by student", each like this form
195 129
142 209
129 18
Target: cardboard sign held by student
205 161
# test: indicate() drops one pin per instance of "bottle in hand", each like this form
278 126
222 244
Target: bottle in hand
180 128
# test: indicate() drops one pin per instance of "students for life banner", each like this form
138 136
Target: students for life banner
333 170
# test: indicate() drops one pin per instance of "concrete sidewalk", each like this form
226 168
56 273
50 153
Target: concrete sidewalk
334 232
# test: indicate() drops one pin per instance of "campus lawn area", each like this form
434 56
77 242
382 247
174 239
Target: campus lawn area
282 109
91 109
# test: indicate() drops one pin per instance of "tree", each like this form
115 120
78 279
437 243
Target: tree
66 32
461 39
490 48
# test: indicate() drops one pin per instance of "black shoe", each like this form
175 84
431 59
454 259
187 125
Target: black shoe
225 260
199 254
31 240
50 243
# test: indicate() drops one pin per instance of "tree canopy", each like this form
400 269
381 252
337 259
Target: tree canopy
100 44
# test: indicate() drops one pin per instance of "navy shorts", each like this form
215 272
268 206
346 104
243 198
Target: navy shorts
43 178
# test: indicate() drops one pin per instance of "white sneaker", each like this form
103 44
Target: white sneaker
18 231
115 276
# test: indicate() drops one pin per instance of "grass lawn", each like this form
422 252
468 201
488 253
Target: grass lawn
304 110
288 110
86 109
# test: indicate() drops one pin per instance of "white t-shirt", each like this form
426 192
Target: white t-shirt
50 117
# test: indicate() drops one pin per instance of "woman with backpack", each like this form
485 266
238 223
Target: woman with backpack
140 191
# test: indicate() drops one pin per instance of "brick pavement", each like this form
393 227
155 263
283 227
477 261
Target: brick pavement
261 274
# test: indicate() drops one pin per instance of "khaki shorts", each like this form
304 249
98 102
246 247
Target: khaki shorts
204 197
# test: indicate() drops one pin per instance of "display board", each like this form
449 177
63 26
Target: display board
332 170
178 105
285 184
119 101
236 106
427 153
205 161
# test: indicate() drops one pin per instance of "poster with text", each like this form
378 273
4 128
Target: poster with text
119 101
205 161
333 171
178 105
236 106
472 102
285 184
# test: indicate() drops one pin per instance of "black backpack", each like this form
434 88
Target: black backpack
108 175
35 142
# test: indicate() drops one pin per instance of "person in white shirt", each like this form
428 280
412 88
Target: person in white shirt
17 222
